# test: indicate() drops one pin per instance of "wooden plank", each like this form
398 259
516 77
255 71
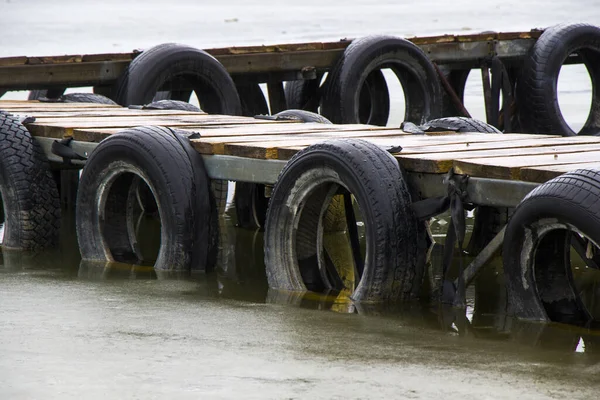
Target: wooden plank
187 119
267 150
442 162
208 144
477 37
544 173
9 61
108 112
425 148
239 133
109 57
34 104
510 167
58 128
279 48
76 58
242 130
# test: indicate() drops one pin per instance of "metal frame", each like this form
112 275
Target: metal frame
480 191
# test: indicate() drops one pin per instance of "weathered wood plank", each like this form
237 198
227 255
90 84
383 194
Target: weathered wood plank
544 173
10 61
37 105
217 144
58 128
509 151
242 130
442 162
261 150
510 167
98 113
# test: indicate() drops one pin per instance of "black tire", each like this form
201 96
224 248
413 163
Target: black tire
175 174
250 205
171 105
462 124
302 115
302 190
30 201
46 93
412 67
537 95
177 68
374 98
303 94
488 220
86 98
536 253
252 99
219 187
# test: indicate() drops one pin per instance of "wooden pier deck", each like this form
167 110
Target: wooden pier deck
521 157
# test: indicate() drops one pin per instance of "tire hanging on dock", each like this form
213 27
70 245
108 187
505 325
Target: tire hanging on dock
30 202
559 215
295 256
179 69
175 174
415 72
374 98
537 94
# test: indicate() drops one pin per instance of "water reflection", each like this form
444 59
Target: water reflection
240 276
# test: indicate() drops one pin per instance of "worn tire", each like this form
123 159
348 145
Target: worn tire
302 115
219 187
374 178
31 205
86 98
415 72
173 67
374 98
303 94
537 95
46 93
171 105
175 174
536 254
252 99
462 124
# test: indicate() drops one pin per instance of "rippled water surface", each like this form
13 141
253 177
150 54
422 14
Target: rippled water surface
74 330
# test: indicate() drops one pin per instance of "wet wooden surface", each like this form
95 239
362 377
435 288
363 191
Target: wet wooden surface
535 158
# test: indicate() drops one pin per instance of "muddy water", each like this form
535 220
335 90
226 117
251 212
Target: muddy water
72 330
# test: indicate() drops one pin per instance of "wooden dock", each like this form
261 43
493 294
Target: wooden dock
517 157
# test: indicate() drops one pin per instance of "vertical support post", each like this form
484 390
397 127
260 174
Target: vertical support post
487 93
276 97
